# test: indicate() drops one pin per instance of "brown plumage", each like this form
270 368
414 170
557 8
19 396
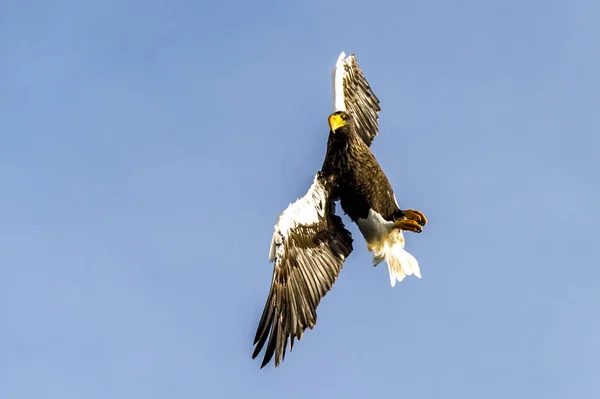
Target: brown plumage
360 182
310 243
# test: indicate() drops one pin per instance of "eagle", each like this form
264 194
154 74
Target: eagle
310 242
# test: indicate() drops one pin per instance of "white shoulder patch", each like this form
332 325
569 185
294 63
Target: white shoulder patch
305 211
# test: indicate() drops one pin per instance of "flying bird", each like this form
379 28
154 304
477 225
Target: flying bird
310 242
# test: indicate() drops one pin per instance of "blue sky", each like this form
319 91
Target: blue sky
147 148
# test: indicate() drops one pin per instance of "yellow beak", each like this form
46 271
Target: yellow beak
335 122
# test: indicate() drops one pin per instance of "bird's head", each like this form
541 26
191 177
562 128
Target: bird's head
338 120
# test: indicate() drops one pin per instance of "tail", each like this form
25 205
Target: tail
400 262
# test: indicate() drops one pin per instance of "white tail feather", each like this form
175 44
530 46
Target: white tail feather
400 262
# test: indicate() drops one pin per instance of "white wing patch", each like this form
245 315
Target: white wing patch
338 84
304 211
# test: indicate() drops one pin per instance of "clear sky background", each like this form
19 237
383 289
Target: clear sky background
147 148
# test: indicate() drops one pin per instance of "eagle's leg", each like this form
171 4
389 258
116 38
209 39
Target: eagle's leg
407 224
417 216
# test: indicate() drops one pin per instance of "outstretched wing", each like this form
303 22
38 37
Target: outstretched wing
352 94
308 248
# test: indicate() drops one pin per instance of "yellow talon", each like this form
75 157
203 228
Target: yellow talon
409 225
417 216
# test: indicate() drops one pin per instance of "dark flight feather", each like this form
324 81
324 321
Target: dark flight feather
310 245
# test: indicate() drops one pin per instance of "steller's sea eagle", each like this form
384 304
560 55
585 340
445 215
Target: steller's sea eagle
310 242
